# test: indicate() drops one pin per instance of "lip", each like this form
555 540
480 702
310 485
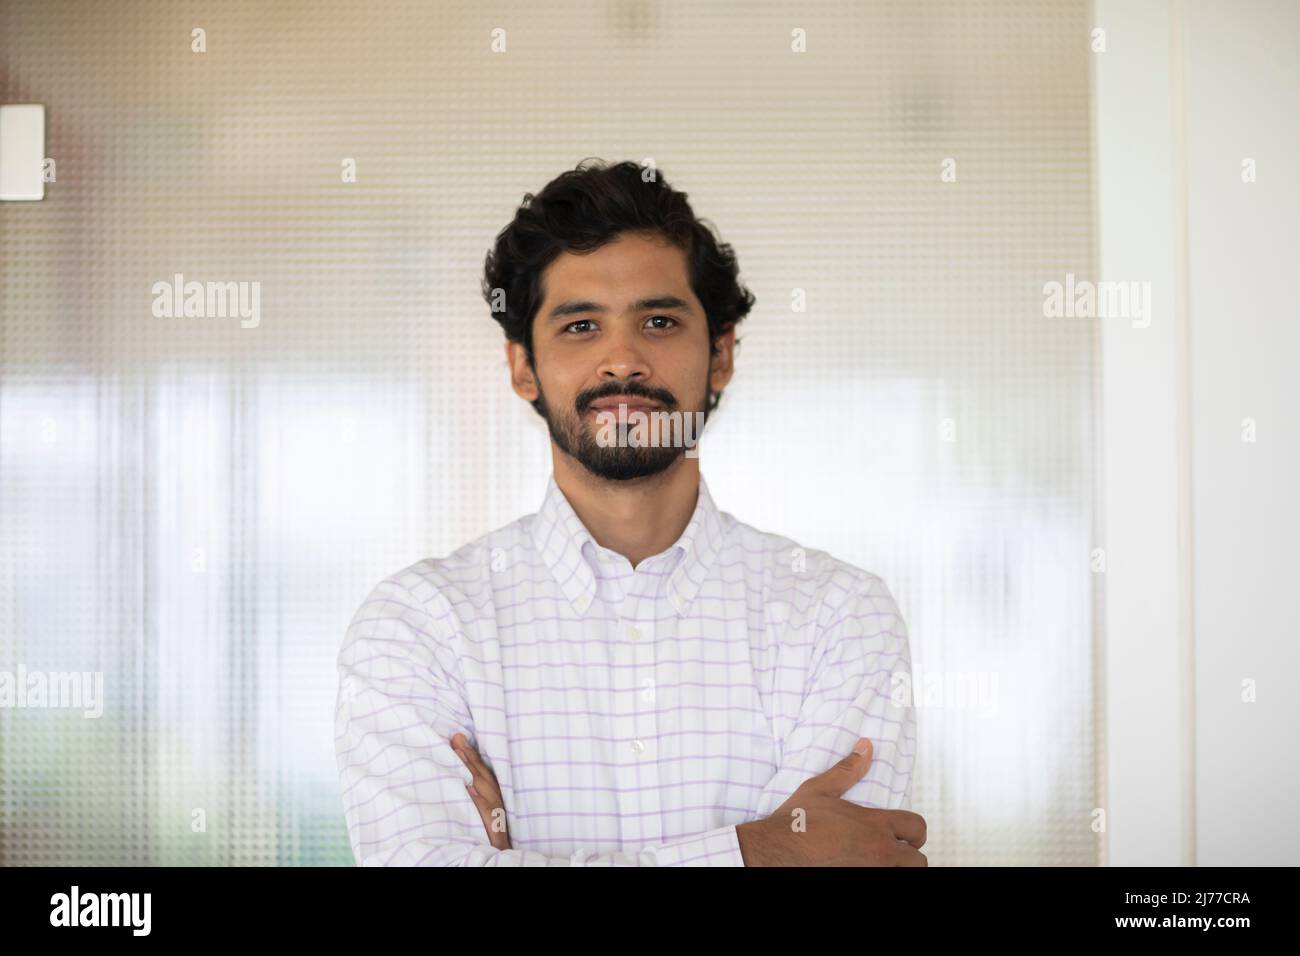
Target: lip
611 404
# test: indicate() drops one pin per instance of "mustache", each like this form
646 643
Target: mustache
634 389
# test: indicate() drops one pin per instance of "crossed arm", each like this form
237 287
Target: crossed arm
416 792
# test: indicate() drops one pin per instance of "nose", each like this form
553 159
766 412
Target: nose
623 358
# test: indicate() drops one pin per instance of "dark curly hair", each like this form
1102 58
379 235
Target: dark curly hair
584 208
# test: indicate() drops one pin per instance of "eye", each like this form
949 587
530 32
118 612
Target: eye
666 318
569 327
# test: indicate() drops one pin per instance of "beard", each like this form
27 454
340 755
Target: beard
622 462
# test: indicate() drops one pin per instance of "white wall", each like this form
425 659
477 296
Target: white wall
1199 524
1147 748
1243 87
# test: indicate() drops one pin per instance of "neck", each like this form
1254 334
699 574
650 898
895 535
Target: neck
638 518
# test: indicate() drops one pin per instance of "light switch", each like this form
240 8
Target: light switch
22 152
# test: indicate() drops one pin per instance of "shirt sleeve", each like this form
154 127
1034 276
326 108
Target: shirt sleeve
859 685
400 702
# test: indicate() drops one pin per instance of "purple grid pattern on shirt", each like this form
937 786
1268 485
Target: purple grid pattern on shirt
631 716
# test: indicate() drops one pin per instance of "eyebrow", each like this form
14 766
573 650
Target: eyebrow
579 306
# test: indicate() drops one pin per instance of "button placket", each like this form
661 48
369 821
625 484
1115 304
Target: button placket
624 728
644 745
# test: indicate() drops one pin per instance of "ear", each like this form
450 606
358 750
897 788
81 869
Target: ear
722 364
522 379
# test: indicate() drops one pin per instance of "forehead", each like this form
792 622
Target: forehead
624 267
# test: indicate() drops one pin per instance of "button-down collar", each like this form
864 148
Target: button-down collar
561 539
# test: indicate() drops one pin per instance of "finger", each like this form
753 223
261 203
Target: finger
467 773
491 808
847 772
484 780
486 787
486 813
458 746
460 743
908 855
480 769
470 758
482 805
483 791
908 826
490 791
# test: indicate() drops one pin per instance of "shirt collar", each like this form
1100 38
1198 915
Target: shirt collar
560 537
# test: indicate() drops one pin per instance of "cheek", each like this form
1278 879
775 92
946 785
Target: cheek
691 376
560 379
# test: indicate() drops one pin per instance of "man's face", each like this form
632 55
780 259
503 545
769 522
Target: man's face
619 324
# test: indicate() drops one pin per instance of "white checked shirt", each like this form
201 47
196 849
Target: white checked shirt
631 716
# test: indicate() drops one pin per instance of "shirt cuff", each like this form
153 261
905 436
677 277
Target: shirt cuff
720 847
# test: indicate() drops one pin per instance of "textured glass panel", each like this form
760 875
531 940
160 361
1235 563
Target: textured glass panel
194 508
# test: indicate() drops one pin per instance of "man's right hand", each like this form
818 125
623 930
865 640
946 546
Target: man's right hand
485 792
816 827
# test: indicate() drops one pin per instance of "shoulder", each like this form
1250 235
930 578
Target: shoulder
441 594
811 581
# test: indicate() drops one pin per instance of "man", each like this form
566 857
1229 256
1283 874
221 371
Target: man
629 676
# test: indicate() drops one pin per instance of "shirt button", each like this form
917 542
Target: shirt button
634 632
638 746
